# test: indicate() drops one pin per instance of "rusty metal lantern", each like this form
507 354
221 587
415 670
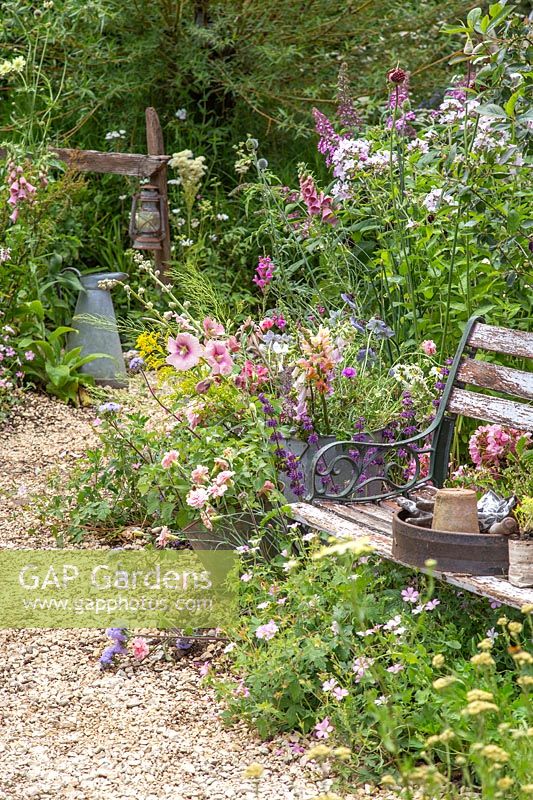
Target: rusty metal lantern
147 221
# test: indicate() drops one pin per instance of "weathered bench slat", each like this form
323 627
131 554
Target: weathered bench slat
500 379
355 527
491 409
502 340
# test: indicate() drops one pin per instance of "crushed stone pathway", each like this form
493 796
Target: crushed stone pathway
149 731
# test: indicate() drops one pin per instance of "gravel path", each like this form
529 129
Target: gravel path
68 731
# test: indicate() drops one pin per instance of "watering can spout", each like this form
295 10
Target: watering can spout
96 329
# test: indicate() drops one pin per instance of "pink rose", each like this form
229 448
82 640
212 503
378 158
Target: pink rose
429 347
224 477
185 351
169 458
140 647
200 474
197 498
266 324
218 357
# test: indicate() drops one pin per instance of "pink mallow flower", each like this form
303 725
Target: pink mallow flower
339 693
267 631
200 474
169 458
218 357
429 347
323 729
212 328
185 351
197 498
140 648
29 355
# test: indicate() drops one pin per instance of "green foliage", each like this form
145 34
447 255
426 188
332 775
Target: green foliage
405 665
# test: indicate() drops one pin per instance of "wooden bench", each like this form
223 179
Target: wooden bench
345 502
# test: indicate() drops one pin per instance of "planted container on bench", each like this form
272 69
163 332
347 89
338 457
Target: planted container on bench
466 553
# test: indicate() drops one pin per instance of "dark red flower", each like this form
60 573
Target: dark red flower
396 75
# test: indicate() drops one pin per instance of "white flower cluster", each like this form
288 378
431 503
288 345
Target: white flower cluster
110 135
181 114
436 198
191 170
16 65
352 156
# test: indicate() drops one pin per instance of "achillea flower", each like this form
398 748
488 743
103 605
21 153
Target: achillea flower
185 351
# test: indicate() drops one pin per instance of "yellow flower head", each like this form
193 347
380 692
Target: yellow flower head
495 753
504 783
523 658
319 751
443 683
438 660
515 628
525 681
253 771
478 694
478 707
502 621
342 752
482 660
485 644
527 608
527 788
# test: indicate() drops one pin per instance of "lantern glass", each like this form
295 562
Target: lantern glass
148 215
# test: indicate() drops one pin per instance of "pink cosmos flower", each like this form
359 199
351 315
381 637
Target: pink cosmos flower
224 477
185 351
410 595
200 474
212 328
432 604
197 498
169 458
323 729
218 357
267 631
140 647
429 347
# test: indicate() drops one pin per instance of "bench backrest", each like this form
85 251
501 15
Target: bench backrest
512 406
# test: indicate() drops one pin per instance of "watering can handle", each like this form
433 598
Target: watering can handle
72 269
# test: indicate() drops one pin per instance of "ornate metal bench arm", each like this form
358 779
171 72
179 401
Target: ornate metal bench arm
351 471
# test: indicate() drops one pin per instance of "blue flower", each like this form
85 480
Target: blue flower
348 299
379 329
109 408
136 364
366 354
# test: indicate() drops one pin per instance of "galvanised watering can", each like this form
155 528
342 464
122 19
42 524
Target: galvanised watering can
96 328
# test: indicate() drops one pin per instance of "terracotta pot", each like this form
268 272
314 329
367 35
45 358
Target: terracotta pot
521 562
455 510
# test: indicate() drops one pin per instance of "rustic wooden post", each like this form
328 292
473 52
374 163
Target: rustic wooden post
155 147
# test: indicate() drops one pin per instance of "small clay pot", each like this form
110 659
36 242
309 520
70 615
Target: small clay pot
456 510
521 562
